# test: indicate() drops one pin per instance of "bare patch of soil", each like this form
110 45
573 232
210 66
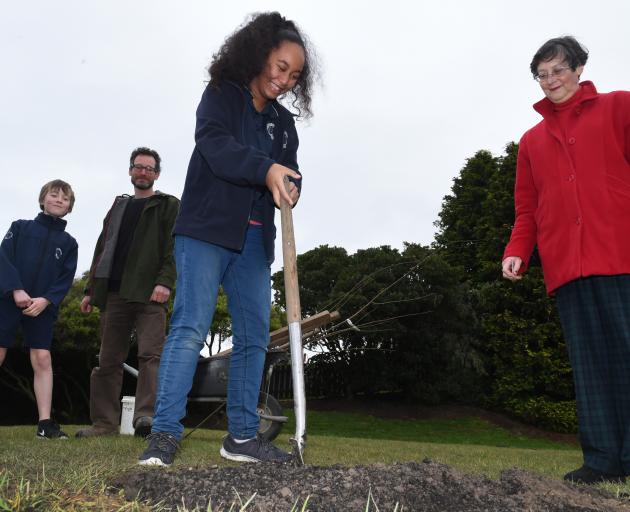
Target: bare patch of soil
425 486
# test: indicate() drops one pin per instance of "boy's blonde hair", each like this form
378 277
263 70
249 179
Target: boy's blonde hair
56 185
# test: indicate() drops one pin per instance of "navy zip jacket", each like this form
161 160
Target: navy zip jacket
225 172
39 257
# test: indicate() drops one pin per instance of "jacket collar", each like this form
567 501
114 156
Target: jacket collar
157 193
545 107
270 109
276 106
51 222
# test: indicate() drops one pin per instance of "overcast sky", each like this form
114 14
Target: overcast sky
410 91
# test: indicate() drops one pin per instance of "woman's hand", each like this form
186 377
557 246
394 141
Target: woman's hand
275 183
511 265
38 304
294 192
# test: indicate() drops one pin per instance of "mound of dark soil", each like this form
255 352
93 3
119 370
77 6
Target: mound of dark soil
425 486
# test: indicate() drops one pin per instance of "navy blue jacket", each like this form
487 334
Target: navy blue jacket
225 172
38 256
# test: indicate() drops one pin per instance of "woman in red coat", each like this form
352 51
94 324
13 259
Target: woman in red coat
572 198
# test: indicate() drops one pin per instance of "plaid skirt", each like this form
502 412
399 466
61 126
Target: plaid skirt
595 317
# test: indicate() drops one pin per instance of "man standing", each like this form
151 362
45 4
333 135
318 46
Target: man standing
130 281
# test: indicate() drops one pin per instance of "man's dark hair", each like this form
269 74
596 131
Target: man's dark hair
567 47
243 56
56 185
146 152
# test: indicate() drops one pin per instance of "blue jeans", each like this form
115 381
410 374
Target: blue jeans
246 278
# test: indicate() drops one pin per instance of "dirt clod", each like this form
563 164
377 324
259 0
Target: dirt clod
426 486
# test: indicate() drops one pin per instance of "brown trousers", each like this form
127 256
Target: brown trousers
117 323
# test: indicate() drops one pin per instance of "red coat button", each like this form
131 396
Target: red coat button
572 140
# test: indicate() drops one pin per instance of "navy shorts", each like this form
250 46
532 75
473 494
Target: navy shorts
37 331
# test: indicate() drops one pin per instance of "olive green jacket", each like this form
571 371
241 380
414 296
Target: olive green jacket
150 259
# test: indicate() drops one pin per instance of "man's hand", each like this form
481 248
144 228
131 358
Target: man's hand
160 294
275 183
38 304
511 265
85 306
22 299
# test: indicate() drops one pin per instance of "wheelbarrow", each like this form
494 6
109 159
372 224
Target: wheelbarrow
212 374
210 385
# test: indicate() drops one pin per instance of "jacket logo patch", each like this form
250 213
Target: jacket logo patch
270 127
285 140
58 253
8 236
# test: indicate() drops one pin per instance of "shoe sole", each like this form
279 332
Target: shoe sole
44 438
153 461
236 457
246 458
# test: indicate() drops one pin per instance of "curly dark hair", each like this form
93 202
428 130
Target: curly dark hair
243 56
567 47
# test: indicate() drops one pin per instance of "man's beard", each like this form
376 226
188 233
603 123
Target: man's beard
146 183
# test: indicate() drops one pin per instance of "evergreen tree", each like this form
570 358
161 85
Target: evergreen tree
463 220
527 369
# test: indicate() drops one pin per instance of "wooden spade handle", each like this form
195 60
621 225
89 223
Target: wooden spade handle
291 288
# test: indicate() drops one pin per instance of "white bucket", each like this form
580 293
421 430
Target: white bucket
126 418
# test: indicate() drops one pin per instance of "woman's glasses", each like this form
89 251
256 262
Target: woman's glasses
554 73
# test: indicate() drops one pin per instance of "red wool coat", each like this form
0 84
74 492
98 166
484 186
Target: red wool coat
572 192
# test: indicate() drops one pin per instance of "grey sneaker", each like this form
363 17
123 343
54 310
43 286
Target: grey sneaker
49 429
161 450
142 427
254 450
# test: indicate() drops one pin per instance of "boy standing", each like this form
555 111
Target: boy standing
38 260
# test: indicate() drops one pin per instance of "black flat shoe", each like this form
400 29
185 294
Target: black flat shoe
588 476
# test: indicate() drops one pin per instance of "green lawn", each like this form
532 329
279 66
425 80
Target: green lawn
461 431
64 475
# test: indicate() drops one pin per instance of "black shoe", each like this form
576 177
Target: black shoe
254 450
48 429
588 476
161 450
142 428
